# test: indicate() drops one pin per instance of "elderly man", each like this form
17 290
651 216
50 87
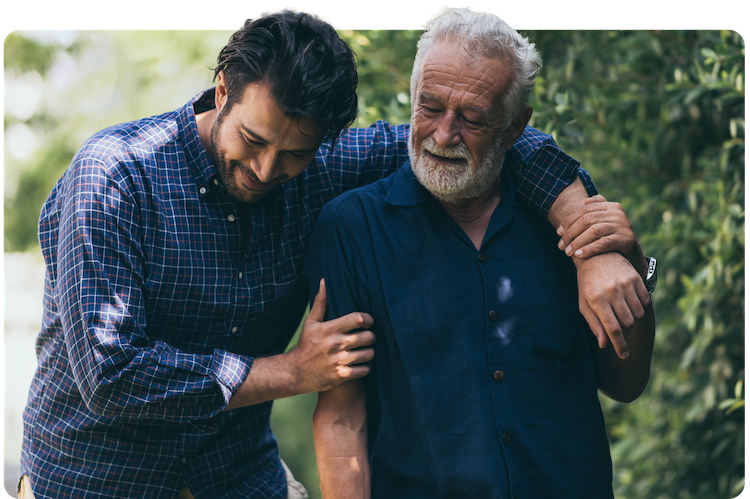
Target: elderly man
485 377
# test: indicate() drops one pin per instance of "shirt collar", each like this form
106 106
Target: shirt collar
200 163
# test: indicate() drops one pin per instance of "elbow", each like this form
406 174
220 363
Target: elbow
328 419
104 395
626 392
335 417
98 398
624 397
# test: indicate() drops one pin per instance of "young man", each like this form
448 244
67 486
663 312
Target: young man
485 377
174 248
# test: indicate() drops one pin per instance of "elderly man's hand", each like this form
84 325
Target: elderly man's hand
610 265
611 297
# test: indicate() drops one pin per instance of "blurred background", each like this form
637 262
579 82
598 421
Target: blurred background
657 117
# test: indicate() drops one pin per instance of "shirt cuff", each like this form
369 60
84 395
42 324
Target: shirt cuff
587 182
229 370
553 171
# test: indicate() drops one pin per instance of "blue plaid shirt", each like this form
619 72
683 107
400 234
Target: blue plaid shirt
153 315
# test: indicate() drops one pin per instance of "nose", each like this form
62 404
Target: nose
447 130
266 165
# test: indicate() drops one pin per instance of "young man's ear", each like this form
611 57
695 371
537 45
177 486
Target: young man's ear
220 98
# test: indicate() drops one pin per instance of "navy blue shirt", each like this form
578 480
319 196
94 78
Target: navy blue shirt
483 383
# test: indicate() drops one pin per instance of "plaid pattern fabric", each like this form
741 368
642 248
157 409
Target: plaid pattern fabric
153 314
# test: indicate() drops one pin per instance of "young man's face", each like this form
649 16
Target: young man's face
255 146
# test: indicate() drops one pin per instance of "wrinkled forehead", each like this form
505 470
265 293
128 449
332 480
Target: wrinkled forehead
452 70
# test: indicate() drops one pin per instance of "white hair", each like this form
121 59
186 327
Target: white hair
489 36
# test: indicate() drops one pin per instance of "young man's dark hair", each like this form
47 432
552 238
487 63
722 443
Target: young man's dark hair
311 72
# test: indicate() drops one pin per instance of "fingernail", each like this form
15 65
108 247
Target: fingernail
560 230
560 244
625 355
579 253
568 251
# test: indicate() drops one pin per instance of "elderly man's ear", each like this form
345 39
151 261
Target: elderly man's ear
517 127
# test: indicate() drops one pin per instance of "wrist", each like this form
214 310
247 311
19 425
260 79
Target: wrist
270 378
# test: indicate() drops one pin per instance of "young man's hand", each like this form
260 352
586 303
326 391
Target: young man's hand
601 227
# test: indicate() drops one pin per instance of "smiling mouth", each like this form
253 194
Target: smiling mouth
252 182
445 159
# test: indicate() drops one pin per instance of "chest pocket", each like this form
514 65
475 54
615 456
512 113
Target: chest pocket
555 324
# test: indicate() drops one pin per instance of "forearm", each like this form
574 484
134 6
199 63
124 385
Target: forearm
340 433
568 202
270 378
625 380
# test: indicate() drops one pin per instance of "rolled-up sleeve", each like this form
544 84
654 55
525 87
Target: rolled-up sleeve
542 171
119 369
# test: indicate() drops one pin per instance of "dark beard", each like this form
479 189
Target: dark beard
225 170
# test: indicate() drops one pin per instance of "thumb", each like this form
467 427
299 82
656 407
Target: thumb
318 309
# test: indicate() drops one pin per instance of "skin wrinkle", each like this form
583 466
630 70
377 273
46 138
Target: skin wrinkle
450 94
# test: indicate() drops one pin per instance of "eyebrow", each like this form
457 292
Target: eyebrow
260 138
487 113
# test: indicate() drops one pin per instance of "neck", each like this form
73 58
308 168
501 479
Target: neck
473 215
205 122
471 210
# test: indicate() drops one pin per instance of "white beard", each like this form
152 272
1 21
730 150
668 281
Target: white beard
452 183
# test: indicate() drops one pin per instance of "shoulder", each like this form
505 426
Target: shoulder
356 203
127 151
531 141
351 217
130 140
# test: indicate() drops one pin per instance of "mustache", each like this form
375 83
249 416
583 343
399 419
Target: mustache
250 173
460 151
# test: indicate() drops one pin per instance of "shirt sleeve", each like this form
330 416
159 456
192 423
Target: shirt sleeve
101 272
334 253
540 170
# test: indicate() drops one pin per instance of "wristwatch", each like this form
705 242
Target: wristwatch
650 279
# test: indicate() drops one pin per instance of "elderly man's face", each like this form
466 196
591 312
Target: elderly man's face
457 142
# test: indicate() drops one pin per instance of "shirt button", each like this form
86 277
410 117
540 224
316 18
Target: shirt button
235 329
506 438
216 181
499 375
482 257
184 460
492 316
239 276
231 218
203 191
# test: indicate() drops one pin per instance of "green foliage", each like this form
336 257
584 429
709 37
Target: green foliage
658 120
657 117
384 67
77 83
